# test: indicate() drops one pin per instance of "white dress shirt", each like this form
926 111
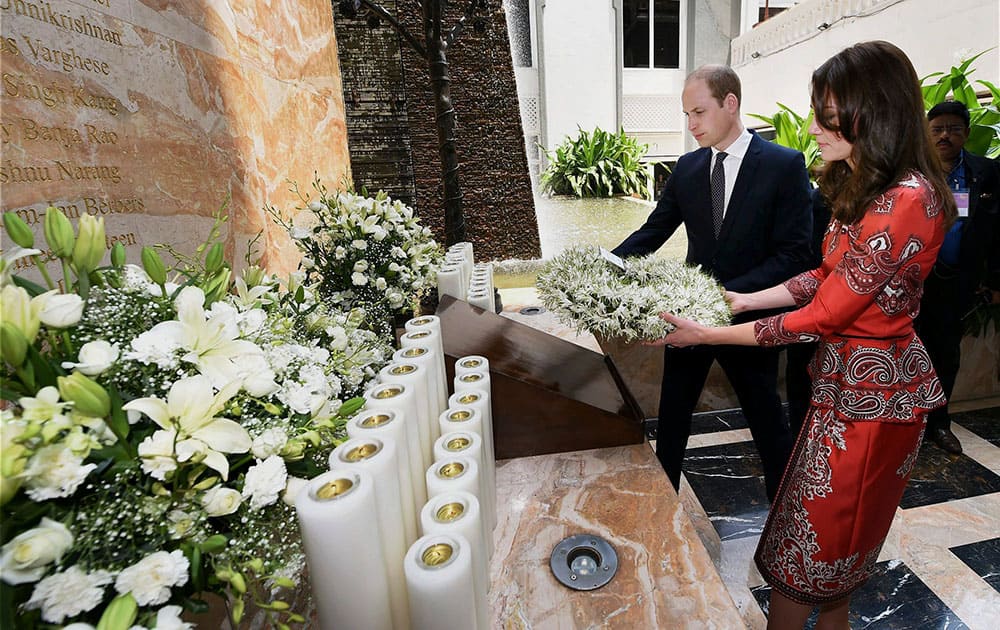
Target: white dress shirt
734 159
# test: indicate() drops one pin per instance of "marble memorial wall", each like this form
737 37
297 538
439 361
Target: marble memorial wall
156 114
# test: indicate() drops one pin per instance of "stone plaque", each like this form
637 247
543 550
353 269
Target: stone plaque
157 114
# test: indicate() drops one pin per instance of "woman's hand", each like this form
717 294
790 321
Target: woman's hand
739 302
686 333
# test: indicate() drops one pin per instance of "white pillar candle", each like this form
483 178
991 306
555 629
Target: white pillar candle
386 424
450 281
401 399
420 325
338 520
439 579
416 377
378 457
465 247
472 363
460 443
422 357
454 473
458 513
480 401
481 299
470 420
470 444
430 340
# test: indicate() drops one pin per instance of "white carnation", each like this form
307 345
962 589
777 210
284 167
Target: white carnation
54 472
169 618
68 593
269 442
150 579
264 482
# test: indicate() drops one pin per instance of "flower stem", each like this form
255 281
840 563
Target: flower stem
45 272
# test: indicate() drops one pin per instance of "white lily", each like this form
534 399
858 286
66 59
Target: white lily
210 340
190 410
10 256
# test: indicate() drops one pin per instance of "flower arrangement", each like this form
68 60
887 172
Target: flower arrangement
156 426
364 252
587 292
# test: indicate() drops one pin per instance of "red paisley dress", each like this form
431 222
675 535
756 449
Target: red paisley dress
873 385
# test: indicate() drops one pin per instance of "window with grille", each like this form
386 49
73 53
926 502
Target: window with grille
651 34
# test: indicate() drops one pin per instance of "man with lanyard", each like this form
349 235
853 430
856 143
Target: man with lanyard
967 270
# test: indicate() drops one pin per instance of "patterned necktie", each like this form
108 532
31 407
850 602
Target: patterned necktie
718 192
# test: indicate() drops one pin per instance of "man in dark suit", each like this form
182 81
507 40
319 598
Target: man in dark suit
968 265
745 205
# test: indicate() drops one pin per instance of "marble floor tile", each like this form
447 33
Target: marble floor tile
714 421
939 476
985 423
729 483
893 599
983 558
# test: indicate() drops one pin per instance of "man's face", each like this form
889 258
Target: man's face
709 122
948 133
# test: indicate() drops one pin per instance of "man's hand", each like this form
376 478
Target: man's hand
738 302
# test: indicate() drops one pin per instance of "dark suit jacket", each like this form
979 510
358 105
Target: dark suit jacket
979 256
767 228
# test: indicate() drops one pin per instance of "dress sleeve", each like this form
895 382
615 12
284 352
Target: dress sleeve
803 286
880 266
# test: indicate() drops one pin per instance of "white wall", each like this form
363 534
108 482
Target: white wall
580 81
933 33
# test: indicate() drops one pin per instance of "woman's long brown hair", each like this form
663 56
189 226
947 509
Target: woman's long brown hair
880 110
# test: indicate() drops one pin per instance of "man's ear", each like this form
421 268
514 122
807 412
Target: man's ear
731 103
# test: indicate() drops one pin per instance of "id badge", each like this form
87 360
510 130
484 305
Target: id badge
962 201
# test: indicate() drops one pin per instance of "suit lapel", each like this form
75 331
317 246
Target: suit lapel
748 169
702 192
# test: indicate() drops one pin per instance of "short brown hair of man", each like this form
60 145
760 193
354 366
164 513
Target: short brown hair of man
721 80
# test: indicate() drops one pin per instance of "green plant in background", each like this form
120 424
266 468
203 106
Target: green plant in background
597 164
984 132
792 130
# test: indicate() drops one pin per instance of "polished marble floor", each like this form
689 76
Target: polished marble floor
940 567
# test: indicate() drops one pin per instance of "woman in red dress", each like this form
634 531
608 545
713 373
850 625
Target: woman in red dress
873 383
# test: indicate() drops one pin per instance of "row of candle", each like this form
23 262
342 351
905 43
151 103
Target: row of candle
460 276
398 533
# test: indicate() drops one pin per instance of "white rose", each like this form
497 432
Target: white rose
269 442
264 482
54 472
60 310
299 233
380 284
361 265
219 501
359 279
293 486
69 593
26 556
359 244
95 357
149 580
339 253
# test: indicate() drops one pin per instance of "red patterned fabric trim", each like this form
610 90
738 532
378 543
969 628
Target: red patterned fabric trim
771 331
802 287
